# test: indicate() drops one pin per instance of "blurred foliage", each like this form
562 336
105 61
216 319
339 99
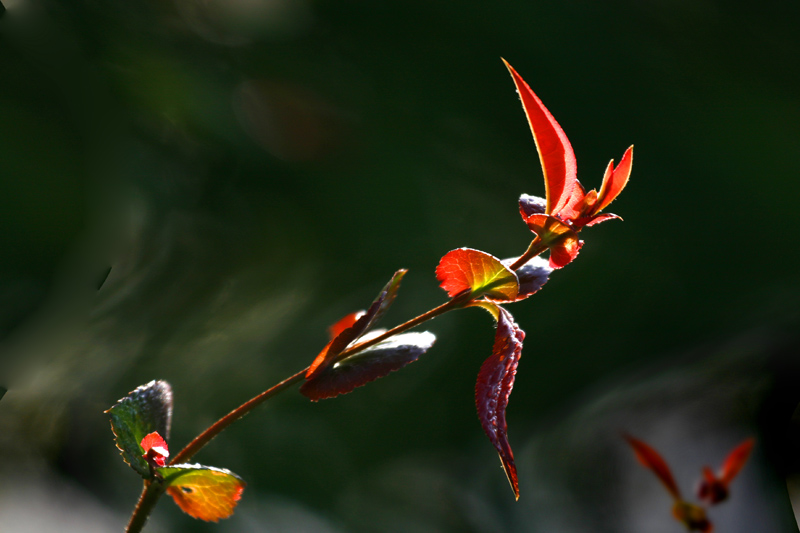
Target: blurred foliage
252 170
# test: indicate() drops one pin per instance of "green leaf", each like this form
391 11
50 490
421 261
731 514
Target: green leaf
145 410
203 492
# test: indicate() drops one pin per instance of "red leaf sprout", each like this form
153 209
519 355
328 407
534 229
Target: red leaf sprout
714 488
155 450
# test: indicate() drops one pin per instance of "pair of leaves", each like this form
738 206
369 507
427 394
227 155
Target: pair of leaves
712 488
138 421
488 281
339 369
567 208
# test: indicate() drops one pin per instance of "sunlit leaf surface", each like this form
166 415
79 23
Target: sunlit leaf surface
203 492
481 273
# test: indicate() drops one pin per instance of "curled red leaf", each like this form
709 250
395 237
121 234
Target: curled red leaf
562 240
652 460
155 450
495 381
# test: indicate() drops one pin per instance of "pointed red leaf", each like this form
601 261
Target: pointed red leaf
561 238
495 381
480 273
614 181
651 459
367 365
348 335
555 151
736 460
344 323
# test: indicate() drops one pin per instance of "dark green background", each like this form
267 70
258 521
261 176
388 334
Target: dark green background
251 171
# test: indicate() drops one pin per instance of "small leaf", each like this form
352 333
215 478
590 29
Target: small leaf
203 492
495 381
531 205
350 334
736 460
480 273
649 458
145 410
155 450
555 151
562 240
614 180
367 365
532 275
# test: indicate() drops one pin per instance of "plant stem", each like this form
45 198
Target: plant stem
217 427
537 247
151 492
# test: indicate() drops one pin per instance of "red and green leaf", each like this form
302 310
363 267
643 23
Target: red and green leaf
203 492
555 151
652 460
482 274
495 381
367 365
736 460
562 240
361 322
145 410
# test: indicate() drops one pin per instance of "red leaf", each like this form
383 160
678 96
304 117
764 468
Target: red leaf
349 334
367 365
344 323
736 460
555 151
652 460
155 450
614 181
562 239
495 381
480 273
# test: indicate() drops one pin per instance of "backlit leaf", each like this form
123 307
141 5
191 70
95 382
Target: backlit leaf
155 449
614 180
532 275
555 151
495 381
203 492
480 273
651 459
145 410
348 335
562 240
736 460
367 365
